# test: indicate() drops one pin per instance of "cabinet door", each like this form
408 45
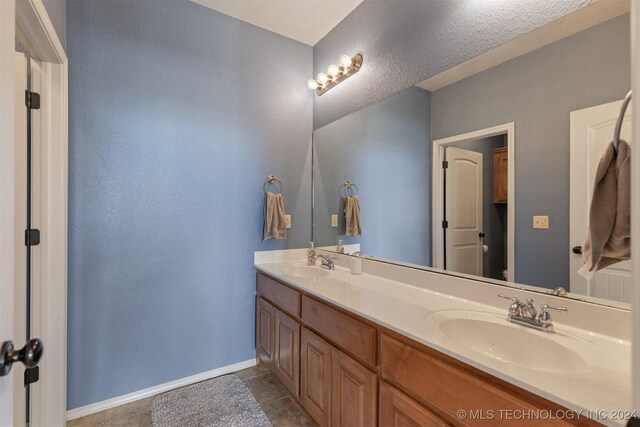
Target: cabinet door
315 377
353 392
286 360
265 327
500 175
399 410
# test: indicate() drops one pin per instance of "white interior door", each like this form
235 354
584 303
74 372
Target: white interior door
591 131
463 211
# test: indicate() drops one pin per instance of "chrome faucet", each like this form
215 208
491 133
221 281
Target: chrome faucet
327 261
524 313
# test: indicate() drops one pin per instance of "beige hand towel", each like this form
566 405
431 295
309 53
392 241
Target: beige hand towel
274 225
352 216
609 236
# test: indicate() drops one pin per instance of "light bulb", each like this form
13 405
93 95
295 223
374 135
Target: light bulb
345 61
333 70
312 84
322 78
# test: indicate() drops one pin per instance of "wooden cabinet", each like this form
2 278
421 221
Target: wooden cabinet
265 324
286 356
354 390
399 410
500 175
315 377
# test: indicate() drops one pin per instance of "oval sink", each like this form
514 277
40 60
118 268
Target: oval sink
492 336
302 272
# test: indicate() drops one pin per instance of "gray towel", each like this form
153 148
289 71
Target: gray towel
352 216
274 225
609 236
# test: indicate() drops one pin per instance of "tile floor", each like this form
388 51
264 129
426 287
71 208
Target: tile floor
276 402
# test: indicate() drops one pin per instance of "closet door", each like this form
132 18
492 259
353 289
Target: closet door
265 327
286 360
354 391
315 377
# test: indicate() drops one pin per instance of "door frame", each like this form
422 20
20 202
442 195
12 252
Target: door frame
635 207
439 146
49 310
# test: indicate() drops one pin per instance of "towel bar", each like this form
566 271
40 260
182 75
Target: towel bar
272 180
623 109
349 187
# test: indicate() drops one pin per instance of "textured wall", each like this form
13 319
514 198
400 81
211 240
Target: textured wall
494 216
174 126
405 42
57 11
537 91
384 149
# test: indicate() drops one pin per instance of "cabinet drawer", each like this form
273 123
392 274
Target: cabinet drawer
399 410
277 293
451 388
351 334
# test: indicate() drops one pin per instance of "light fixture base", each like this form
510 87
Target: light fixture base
356 64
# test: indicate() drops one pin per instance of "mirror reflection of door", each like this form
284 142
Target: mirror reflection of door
475 237
591 131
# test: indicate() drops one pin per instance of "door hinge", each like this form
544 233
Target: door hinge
445 164
32 237
31 375
32 100
445 224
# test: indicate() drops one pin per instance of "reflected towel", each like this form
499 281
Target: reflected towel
609 236
352 216
274 225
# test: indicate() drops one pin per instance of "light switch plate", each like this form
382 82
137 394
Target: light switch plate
334 220
540 221
287 221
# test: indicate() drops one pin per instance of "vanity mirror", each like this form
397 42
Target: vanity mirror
487 174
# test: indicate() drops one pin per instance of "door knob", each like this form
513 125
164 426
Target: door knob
29 355
577 250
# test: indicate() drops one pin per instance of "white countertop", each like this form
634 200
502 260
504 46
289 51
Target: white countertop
602 381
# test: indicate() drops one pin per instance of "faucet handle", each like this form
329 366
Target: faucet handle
512 299
545 317
545 307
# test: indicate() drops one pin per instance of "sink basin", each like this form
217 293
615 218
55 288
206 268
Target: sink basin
302 272
490 336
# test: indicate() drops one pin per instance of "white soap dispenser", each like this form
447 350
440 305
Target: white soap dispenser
311 255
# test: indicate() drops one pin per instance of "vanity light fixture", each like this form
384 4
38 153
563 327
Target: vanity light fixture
336 74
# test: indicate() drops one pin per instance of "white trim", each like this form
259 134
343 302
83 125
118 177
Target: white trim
635 208
37 33
582 19
83 411
439 145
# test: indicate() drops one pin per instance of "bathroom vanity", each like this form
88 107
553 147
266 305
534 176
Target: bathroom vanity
350 359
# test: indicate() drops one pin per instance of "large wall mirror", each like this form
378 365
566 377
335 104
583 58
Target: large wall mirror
488 175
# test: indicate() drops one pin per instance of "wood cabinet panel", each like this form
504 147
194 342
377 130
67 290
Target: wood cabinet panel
353 392
399 410
265 327
355 336
286 359
500 175
280 295
315 377
450 388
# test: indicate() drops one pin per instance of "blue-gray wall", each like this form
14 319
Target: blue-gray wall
494 215
537 92
175 122
57 11
405 42
385 150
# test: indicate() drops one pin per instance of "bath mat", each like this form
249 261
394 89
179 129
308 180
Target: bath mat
221 402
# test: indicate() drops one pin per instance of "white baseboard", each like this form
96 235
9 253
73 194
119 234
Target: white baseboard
83 411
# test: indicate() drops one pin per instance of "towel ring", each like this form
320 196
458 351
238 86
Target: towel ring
350 189
623 109
272 180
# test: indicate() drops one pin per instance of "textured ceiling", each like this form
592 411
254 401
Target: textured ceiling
306 21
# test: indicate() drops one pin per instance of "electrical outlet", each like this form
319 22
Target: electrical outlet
287 221
540 221
334 220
